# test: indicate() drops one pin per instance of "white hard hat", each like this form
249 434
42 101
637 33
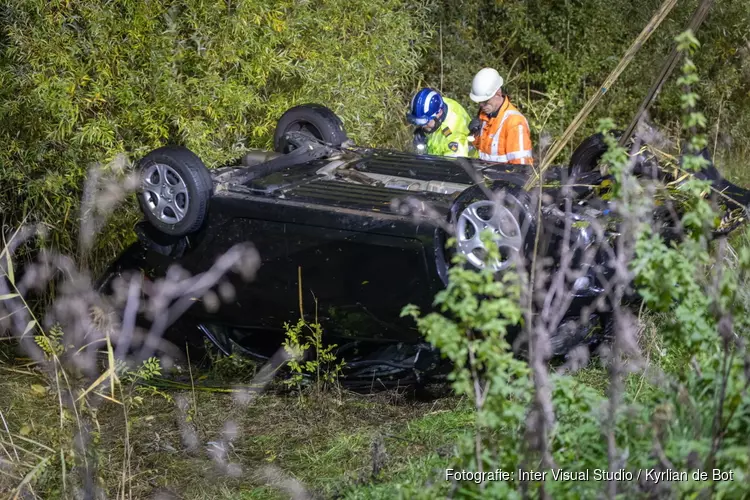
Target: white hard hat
486 83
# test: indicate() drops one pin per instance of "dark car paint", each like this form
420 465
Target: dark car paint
343 238
360 259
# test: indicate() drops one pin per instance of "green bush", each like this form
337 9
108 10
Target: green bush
686 421
322 369
81 82
554 55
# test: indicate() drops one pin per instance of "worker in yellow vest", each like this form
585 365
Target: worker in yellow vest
442 124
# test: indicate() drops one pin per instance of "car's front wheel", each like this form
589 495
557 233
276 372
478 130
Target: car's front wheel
588 154
508 216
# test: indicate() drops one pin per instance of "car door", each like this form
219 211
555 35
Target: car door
357 282
353 270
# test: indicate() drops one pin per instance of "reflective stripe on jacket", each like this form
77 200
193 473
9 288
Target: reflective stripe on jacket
452 136
505 137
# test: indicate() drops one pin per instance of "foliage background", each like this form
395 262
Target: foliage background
555 54
81 82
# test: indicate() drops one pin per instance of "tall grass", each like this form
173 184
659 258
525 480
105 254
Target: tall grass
91 352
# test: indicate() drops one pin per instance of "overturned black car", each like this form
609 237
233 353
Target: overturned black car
338 222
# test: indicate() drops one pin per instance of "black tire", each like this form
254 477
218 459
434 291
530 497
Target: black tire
198 186
569 335
514 198
314 119
587 155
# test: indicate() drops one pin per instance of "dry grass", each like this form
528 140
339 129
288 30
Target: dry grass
337 446
326 444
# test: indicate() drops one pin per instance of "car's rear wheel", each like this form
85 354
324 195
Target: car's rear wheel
175 191
315 120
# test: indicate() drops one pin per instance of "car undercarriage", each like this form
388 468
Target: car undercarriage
362 232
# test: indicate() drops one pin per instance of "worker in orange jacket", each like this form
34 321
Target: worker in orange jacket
503 132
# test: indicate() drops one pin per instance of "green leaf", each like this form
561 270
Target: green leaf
38 389
31 324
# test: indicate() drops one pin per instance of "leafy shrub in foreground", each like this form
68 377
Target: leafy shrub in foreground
310 357
693 420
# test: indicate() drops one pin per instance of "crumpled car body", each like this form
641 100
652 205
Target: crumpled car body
357 234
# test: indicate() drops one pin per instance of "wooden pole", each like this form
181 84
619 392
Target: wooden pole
655 21
698 17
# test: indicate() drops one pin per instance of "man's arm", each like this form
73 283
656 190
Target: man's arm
458 139
420 141
518 141
457 144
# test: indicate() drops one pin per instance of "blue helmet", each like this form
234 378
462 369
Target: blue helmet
425 106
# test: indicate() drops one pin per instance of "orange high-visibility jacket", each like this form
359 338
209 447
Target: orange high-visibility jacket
505 137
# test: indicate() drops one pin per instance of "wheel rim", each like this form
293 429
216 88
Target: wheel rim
165 193
500 221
